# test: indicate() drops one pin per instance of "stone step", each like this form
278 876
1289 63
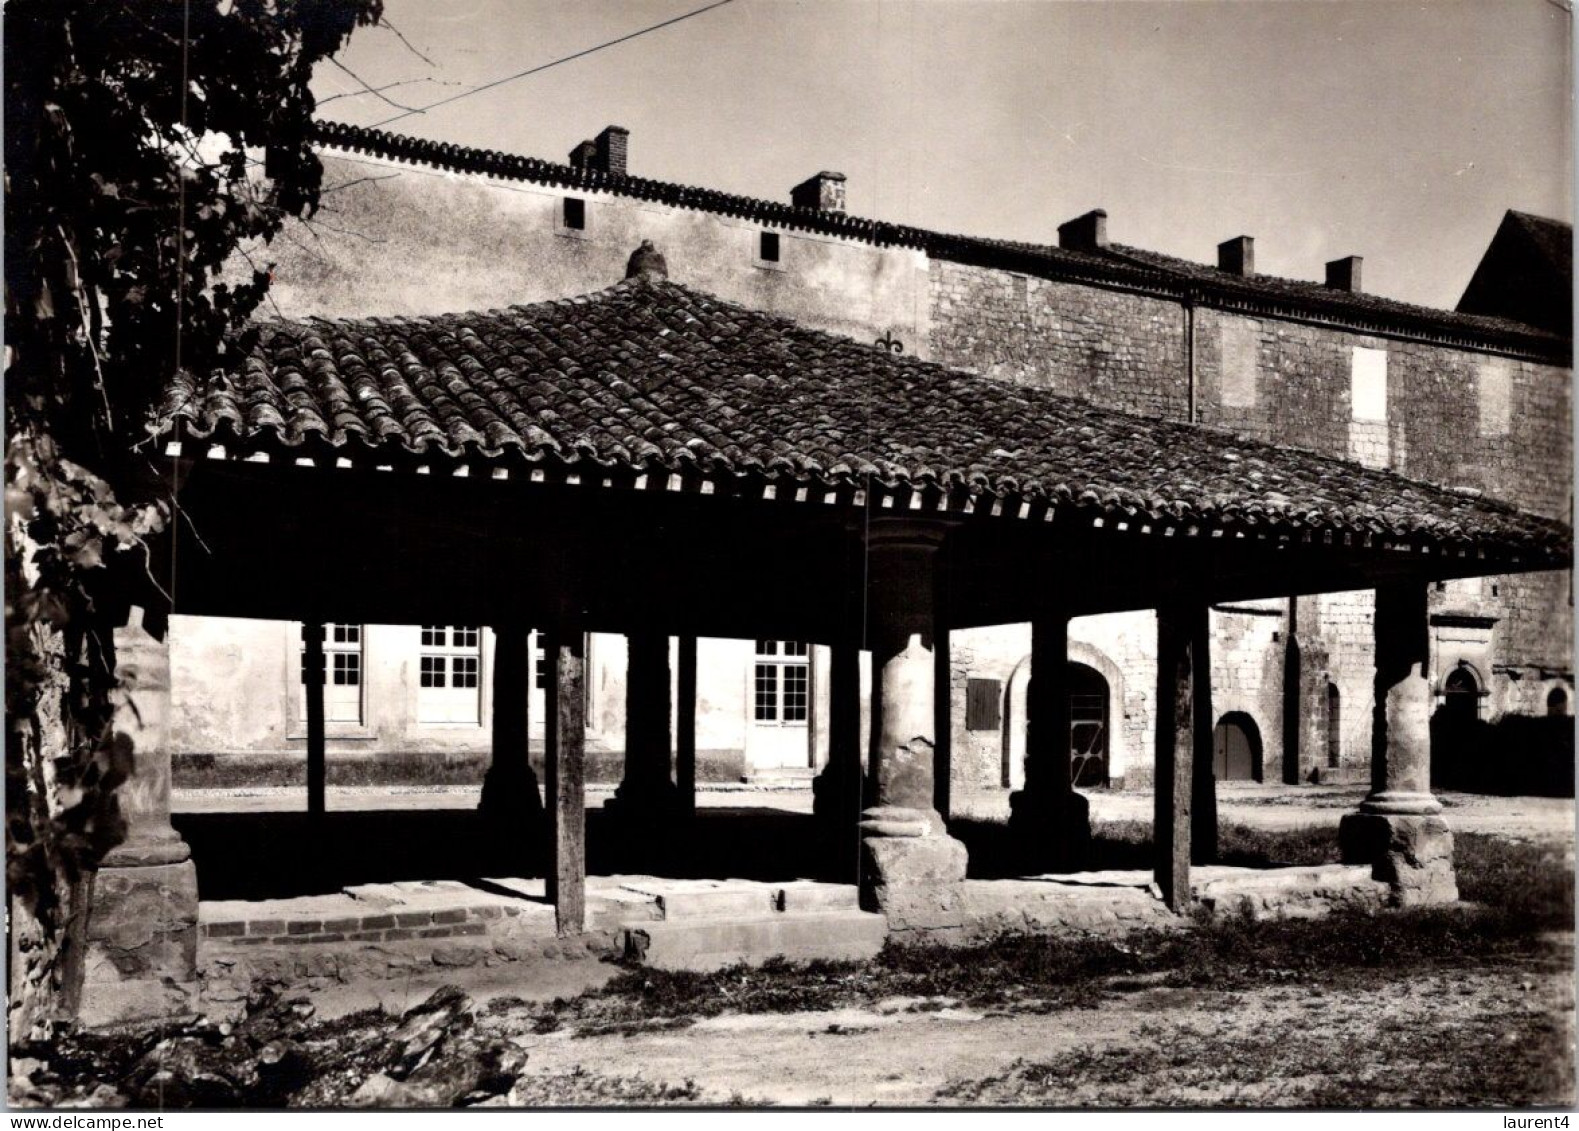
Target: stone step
707 899
712 944
809 895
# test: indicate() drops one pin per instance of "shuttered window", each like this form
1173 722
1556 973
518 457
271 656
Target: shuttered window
983 706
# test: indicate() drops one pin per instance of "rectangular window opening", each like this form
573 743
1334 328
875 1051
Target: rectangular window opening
449 675
768 247
575 213
983 704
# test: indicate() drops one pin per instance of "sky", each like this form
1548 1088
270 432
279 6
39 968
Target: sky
1394 130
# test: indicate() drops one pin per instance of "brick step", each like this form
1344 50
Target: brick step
713 944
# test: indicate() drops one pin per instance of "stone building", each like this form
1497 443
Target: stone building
1477 400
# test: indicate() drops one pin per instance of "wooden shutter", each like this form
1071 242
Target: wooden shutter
982 704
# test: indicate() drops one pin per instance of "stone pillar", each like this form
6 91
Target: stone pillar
565 731
1180 629
1399 829
647 790
837 792
509 788
1049 821
141 960
910 867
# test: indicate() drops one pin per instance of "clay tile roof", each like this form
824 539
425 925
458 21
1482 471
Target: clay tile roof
650 375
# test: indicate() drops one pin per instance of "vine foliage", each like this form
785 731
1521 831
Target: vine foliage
149 145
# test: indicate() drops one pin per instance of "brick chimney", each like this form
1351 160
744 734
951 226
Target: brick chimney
1237 256
605 153
1084 233
824 192
1344 274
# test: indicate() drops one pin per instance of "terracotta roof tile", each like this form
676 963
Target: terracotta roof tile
655 376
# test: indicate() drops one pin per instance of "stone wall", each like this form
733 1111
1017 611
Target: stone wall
1115 349
404 239
1247 652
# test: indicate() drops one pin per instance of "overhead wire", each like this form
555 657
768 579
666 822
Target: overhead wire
554 63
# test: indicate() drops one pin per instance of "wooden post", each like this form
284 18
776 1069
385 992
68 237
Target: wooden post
566 734
312 681
1177 636
685 725
943 720
1203 804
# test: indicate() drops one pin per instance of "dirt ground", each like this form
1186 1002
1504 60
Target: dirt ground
1296 1043
1143 1047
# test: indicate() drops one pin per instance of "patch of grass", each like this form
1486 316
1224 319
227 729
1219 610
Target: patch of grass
1515 1059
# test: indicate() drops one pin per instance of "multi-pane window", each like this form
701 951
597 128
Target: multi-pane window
449 674
342 692
781 682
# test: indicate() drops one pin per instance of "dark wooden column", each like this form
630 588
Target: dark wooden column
685 725
837 790
509 789
565 729
943 722
312 683
1203 803
1180 629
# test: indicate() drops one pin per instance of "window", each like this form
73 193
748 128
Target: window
342 661
781 683
575 214
983 703
1368 384
1334 726
768 247
1241 349
449 674
1495 388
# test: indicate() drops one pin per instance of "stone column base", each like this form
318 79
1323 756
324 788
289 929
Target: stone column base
1051 833
839 795
649 802
1412 854
509 793
910 866
141 961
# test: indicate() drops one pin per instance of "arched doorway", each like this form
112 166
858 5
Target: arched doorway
1461 695
1557 701
1088 725
1090 732
1236 748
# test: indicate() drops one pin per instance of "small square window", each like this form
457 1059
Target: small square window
768 248
432 671
464 671
465 637
575 213
433 635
